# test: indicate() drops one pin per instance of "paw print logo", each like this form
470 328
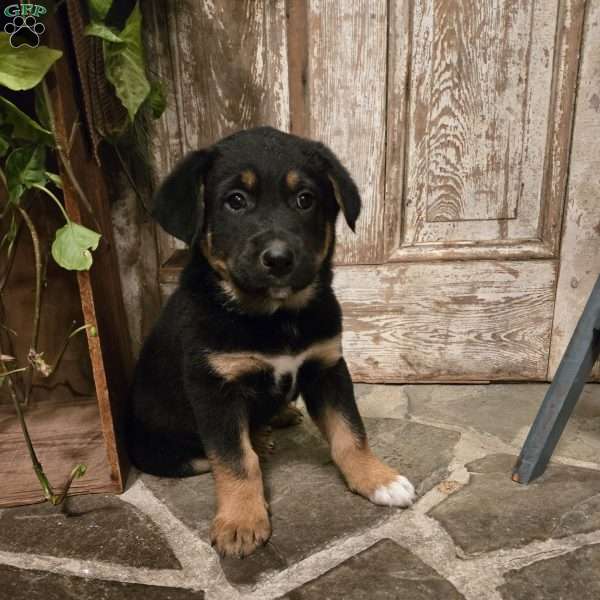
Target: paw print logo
24 31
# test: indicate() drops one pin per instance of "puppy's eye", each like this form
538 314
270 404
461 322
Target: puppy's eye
236 202
304 200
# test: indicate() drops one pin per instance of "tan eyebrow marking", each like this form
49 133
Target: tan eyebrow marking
248 177
292 179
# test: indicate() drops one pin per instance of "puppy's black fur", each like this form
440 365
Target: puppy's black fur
258 210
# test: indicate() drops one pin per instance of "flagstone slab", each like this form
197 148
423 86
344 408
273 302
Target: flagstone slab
493 512
504 411
572 576
383 571
93 527
310 504
21 584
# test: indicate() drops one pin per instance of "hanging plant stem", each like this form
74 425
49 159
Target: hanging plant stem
64 159
78 471
10 259
58 203
38 294
8 373
37 467
66 344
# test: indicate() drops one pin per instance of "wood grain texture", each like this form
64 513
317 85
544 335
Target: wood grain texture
64 433
490 94
567 54
226 63
297 43
478 70
580 251
135 244
463 321
347 99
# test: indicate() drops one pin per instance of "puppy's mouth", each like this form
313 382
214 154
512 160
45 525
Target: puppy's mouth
270 299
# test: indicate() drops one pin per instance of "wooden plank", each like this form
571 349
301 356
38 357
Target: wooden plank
100 288
399 63
347 94
580 249
227 67
569 34
64 434
462 321
477 152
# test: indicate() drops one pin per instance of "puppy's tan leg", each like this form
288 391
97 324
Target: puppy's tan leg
362 470
242 521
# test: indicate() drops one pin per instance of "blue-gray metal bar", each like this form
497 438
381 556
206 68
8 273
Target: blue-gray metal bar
563 393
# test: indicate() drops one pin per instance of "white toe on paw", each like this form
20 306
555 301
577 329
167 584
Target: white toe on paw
399 492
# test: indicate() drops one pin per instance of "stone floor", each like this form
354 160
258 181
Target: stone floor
472 534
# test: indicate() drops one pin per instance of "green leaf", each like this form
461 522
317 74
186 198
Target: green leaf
102 31
24 67
124 64
72 246
24 168
55 179
23 127
157 101
99 9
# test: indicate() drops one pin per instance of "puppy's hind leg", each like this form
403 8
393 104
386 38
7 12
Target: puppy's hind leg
167 455
287 416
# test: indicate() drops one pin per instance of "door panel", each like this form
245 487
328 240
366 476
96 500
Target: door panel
469 74
484 141
447 321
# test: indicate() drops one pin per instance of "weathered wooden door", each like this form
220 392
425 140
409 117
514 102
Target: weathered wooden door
455 118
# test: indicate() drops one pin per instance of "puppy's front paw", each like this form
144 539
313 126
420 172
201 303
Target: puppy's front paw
240 535
399 492
373 479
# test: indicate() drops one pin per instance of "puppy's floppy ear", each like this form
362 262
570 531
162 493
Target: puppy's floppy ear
178 204
344 189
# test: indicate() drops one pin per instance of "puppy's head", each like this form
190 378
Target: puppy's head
261 205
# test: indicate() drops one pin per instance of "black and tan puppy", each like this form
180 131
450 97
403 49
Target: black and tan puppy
253 324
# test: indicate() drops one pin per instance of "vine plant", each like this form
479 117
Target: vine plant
26 146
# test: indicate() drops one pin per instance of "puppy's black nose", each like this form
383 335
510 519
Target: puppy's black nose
277 258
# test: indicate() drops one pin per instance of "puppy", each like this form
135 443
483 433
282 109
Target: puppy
253 324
